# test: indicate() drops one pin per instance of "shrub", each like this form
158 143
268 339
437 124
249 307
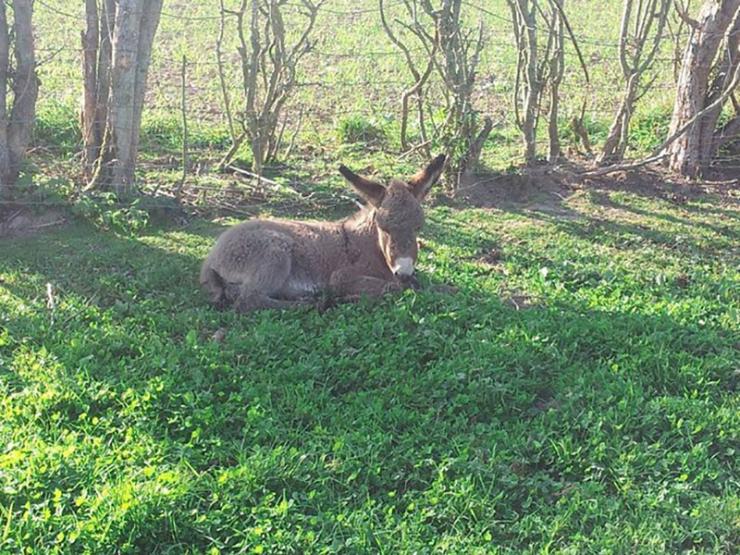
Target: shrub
358 129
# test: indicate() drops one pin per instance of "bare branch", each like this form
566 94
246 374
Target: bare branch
683 13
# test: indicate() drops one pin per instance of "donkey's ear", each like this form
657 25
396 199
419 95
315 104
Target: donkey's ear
423 181
371 191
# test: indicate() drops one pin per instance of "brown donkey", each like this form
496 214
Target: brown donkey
282 263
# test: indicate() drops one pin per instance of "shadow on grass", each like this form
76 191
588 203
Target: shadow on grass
546 189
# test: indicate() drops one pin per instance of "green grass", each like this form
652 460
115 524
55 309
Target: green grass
358 129
602 417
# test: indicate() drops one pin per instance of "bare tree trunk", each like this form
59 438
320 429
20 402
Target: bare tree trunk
16 129
149 23
125 51
5 180
105 58
616 142
557 70
127 34
714 31
90 44
528 77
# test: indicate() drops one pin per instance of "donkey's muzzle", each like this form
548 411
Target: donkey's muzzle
403 267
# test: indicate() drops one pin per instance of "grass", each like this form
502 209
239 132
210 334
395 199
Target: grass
358 129
601 416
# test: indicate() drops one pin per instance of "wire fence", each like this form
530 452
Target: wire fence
347 74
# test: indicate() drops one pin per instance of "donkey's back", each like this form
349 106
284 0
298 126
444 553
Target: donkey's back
263 263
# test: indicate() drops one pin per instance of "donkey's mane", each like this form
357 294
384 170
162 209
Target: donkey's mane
363 218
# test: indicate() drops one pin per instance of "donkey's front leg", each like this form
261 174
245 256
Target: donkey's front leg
348 283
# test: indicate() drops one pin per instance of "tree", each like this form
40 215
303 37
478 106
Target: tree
451 52
268 63
641 33
538 67
16 119
709 76
117 46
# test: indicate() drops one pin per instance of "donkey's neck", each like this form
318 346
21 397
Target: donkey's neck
361 223
359 233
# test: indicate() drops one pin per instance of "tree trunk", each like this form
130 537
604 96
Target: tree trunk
127 29
718 21
531 101
149 25
90 42
16 129
557 71
616 142
5 181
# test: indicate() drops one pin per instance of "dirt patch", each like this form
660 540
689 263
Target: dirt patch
491 257
500 191
545 188
22 222
518 300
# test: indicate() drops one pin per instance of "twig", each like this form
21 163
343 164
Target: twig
623 167
413 149
183 82
51 303
261 179
48 224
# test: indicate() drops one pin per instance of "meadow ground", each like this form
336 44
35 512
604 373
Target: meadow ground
578 393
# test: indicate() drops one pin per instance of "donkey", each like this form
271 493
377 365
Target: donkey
262 264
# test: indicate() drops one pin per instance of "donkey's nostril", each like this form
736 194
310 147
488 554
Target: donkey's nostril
403 266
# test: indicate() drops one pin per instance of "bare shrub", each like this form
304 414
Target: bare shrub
538 69
641 34
268 67
452 52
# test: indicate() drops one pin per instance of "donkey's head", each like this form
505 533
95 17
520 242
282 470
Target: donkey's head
398 212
